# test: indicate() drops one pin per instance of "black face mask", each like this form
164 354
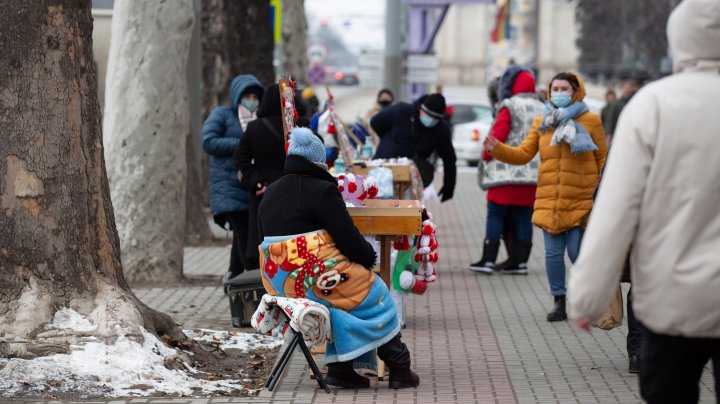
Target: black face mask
385 103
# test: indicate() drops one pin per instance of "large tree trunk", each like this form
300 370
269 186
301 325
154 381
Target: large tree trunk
294 38
197 230
58 244
146 124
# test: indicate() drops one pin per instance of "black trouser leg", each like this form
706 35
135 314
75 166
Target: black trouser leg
508 233
252 256
394 352
716 371
671 367
634 336
239 225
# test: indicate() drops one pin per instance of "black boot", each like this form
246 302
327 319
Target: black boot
342 374
634 363
402 377
486 264
517 264
558 312
509 239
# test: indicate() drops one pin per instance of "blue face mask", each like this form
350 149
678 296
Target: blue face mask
561 100
428 121
250 104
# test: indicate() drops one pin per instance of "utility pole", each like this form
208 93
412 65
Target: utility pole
391 77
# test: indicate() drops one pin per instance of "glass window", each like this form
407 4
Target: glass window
464 113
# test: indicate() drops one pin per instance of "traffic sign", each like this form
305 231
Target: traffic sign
421 68
316 53
316 75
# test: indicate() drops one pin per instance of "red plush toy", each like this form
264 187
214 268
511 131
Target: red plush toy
427 252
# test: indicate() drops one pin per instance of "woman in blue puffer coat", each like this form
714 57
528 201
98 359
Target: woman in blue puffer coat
221 134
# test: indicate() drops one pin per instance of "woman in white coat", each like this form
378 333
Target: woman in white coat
661 193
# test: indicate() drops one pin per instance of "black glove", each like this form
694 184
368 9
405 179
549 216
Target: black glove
446 193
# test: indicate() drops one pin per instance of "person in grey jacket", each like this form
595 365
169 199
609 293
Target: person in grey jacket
661 193
221 134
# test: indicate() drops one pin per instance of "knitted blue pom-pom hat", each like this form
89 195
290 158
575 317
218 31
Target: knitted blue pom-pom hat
304 143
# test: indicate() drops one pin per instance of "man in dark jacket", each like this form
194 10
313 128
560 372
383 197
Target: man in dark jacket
611 112
221 134
416 131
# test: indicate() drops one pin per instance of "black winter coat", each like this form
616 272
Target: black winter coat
260 157
307 199
402 135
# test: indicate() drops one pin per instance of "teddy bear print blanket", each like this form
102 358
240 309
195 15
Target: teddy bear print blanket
310 266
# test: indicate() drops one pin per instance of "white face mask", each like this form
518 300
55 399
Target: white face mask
250 104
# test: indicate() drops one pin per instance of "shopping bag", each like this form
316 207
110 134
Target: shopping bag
613 316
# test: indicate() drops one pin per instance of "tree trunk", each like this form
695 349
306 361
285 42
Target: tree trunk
58 243
294 34
236 39
146 124
197 230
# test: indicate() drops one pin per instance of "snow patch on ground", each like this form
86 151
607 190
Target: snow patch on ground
68 318
125 368
235 340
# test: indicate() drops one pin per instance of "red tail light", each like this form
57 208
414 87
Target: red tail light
475 135
339 76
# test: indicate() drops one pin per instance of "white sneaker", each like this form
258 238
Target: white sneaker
519 269
483 267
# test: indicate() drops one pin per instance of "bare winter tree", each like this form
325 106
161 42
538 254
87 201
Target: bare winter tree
197 230
146 124
236 39
619 38
58 243
294 38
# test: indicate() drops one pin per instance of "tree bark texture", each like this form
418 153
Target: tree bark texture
58 243
294 39
236 39
146 124
197 230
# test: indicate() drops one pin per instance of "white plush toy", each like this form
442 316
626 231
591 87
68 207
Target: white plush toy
426 253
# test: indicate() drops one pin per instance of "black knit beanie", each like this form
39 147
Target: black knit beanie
434 105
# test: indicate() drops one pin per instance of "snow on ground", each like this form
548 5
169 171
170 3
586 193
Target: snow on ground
125 368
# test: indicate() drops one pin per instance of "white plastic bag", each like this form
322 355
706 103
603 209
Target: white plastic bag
430 195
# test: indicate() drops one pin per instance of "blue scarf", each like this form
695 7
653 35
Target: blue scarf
567 130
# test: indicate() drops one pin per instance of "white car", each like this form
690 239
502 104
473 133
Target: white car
471 122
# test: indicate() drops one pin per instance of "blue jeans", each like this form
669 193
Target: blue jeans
555 245
521 217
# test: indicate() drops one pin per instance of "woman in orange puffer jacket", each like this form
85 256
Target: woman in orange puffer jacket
572 148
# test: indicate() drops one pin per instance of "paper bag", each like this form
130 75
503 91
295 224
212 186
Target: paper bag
613 316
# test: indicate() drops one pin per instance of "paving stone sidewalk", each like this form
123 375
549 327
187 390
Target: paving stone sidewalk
473 338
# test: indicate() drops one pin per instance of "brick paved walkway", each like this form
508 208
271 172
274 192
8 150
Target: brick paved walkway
473 338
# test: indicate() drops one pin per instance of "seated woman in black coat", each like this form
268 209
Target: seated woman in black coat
311 249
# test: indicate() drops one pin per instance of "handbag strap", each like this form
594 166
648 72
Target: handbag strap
273 130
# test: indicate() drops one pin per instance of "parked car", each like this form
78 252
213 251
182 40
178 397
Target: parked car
471 122
341 76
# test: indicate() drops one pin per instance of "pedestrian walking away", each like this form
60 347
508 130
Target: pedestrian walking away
660 194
